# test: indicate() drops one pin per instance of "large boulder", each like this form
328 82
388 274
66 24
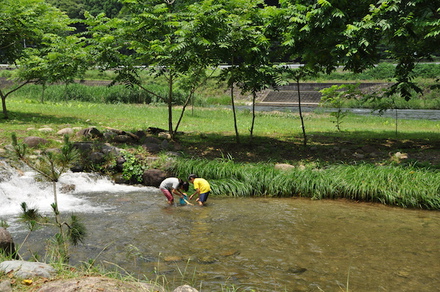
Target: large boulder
87 284
284 166
33 141
5 286
185 288
153 177
7 243
26 270
91 132
65 131
152 147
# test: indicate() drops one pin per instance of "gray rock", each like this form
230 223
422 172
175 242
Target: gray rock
33 141
23 269
6 242
141 134
109 149
296 270
284 166
65 131
118 178
45 130
153 130
5 286
173 154
91 132
152 147
83 146
358 155
97 157
88 284
153 177
164 135
165 145
109 135
67 188
185 288
152 140
122 139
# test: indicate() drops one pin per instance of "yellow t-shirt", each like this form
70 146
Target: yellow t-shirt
202 184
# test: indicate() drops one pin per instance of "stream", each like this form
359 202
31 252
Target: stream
404 114
265 244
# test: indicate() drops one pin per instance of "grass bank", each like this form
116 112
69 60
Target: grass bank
390 185
359 163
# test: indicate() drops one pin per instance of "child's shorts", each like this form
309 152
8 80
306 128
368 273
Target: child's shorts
203 197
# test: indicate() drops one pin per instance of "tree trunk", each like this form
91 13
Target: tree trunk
43 92
5 111
300 113
254 97
4 95
170 106
237 137
190 97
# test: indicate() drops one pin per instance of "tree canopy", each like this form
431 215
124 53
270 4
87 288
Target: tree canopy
25 28
176 38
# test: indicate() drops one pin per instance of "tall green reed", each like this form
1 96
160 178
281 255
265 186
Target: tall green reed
401 186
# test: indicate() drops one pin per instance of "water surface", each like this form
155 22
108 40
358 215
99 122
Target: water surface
266 244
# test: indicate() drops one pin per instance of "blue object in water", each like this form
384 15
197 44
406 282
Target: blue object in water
182 200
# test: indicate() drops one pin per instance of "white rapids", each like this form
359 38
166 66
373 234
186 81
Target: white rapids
23 186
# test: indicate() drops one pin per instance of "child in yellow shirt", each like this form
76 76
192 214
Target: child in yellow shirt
202 188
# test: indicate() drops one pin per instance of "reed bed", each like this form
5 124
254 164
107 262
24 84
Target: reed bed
116 94
407 187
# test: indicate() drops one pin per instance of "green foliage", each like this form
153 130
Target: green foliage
133 167
335 96
77 230
4 224
406 28
29 20
27 27
73 8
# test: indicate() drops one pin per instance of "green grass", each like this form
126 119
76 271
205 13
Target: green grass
27 115
407 187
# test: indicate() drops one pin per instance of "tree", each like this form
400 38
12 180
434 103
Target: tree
60 59
73 8
157 38
410 31
313 32
335 96
244 45
24 25
50 165
111 8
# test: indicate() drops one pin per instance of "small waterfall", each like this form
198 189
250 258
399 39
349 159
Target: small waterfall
73 190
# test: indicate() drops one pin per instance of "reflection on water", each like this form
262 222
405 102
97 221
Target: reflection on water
267 244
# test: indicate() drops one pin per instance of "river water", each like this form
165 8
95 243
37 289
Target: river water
409 114
265 244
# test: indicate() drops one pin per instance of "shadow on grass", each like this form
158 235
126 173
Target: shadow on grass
29 118
421 148
325 148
